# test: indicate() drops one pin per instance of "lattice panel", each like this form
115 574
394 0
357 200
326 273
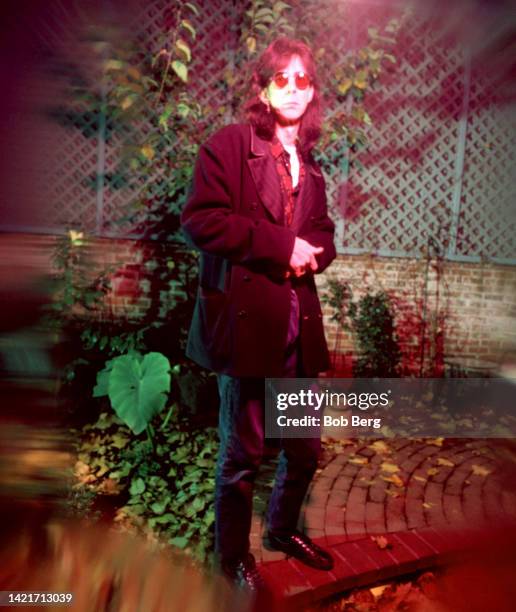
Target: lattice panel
338 40
210 57
415 183
487 224
403 197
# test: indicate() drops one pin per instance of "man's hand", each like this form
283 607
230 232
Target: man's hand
303 257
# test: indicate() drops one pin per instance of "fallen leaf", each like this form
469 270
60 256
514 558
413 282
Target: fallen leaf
110 487
446 462
479 470
366 481
435 441
382 542
389 467
420 478
359 460
379 447
81 469
428 505
378 590
432 471
395 479
392 598
392 493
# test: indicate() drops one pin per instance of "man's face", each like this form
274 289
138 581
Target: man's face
291 101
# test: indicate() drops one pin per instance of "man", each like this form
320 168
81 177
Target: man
258 214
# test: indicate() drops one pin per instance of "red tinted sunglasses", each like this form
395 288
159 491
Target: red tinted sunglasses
302 80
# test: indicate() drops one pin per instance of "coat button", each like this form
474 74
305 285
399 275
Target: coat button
254 206
242 314
305 317
247 278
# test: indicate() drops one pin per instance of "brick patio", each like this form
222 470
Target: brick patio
432 501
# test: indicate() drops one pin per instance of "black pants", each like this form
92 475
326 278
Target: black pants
241 431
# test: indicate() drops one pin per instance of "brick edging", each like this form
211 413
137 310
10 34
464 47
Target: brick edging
362 562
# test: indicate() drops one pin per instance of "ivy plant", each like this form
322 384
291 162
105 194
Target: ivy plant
165 488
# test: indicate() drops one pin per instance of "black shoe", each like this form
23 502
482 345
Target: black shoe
245 575
301 547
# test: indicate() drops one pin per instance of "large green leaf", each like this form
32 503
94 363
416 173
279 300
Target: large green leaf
101 388
138 388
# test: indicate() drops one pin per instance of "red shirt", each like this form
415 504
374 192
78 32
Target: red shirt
289 192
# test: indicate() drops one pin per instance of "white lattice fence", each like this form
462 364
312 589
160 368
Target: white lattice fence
487 222
438 170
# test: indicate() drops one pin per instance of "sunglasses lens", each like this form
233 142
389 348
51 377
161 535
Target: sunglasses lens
280 80
302 80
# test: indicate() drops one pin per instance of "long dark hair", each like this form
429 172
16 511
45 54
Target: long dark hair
274 58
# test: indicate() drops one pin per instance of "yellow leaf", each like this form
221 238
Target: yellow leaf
81 469
127 102
389 467
184 49
147 151
360 80
186 24
432 471
394 479
445 462
427 505
76 237
379 447
420 478
377 591
251 44
101 471
181 70
392 493
359 460
435 441
479 470
343 86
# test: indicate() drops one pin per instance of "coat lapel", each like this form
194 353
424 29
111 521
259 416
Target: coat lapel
305 199
265 176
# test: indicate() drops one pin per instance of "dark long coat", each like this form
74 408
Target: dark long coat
234 216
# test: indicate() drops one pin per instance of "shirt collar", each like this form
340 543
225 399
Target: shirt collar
277 149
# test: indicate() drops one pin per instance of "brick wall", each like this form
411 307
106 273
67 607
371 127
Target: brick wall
470 312
464 311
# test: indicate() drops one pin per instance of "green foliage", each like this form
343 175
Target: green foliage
137 88
166 488
137 386
77 292
371 320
